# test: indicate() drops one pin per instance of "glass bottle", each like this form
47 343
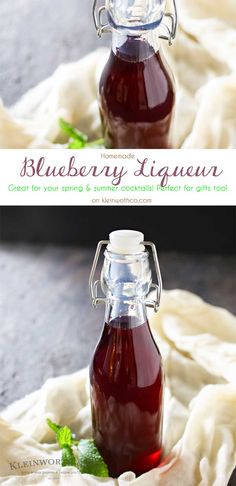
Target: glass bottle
136 90
126 374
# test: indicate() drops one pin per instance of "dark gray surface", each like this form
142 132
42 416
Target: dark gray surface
36 36
48 326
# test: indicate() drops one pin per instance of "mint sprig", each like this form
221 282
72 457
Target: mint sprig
90 460
78 139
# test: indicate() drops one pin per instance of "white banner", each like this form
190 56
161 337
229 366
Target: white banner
118 177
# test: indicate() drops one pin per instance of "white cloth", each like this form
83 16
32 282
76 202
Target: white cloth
69 93
198 345
203 61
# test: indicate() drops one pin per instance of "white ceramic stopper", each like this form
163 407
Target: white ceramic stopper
126 242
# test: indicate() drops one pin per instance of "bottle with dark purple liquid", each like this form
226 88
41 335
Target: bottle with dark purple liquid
136 90
126 372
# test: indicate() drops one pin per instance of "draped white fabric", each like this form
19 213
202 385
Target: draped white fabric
203 61
198 345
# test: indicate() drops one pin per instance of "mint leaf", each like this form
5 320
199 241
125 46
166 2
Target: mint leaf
75 144
90 460
53 426
64 437
73 133
77 139
68 458
63 434
95 144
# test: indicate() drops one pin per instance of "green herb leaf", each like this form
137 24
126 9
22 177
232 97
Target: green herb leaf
63 434
68 458
75 144
73 133
90 460
53 426
77 139
64 437
96 143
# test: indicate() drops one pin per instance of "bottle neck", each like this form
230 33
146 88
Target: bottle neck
126 315
135 47
126 281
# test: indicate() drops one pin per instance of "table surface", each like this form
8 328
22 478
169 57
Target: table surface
48 326
36 36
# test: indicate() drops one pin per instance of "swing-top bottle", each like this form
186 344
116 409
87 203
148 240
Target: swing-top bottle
136 90
126 372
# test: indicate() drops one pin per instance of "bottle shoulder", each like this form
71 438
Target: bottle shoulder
138 91
127 358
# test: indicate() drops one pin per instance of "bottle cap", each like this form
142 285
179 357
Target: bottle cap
133 14
126 242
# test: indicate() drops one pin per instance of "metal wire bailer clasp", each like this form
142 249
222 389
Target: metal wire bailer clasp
94 285
97 18
105 27
172 28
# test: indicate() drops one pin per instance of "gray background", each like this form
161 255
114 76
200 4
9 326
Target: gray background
36 36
